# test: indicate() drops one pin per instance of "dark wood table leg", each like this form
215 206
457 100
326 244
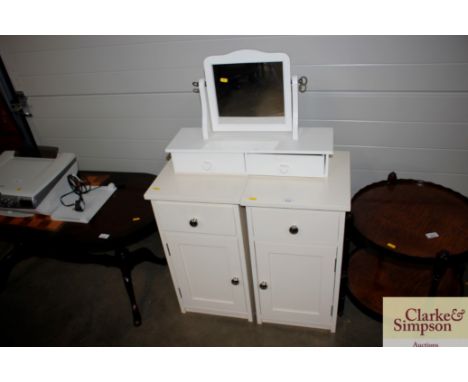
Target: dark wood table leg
123 259
440 266
460 271
9 261
125 265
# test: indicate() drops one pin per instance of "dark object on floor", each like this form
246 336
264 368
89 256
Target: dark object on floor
125 219
412 239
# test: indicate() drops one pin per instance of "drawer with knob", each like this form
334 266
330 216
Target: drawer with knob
295 226
286 165
214 219
208 163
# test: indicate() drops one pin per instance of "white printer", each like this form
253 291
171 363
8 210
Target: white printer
34 185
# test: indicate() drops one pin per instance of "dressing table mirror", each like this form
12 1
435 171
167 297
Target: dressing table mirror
249 90
249 103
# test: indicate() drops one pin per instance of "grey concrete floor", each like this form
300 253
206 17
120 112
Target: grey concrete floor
51 303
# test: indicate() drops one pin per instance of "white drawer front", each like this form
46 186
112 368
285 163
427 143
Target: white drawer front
295 226
212 219
286 165
208 163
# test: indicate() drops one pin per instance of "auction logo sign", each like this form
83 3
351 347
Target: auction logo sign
425 321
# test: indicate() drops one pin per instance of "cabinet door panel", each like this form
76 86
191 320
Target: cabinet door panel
205 267
299 283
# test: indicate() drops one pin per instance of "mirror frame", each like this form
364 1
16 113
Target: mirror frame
252 124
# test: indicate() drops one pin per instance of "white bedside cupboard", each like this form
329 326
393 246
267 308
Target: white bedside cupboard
271 243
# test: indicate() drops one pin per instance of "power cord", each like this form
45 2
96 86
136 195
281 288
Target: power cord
78 187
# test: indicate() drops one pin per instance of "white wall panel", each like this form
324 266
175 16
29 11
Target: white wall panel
180 52
395 102
431 135
386 77
166 80
373 106
118 164
47 43
399 107
171 105
407 159
356 133
117 128
112 148
432 78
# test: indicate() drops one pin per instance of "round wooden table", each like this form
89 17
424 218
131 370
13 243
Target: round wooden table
411 238
125 218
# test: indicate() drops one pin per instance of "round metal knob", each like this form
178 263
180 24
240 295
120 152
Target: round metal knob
193 222
302 84
263 285
293 230
235 281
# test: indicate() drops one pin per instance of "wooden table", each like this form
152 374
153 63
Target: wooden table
126 217
394 256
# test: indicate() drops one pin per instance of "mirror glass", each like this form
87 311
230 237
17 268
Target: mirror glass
250 89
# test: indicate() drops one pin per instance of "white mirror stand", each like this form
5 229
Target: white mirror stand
250 119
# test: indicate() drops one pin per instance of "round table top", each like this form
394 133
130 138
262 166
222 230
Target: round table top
125 217
413 218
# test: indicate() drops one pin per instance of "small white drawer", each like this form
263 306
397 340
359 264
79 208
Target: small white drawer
208 163
286 165
295 226
215 219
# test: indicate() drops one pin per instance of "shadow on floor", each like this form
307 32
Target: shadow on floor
52 303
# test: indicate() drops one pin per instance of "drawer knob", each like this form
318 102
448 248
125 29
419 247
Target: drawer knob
235 281
193 222
284 168
293 230
263 285
207 165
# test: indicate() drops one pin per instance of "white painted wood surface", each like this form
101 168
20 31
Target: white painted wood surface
213 219
205 266
207 261
300 283
311 141
313 227
395 102
302 268
256 153
327 194
194 187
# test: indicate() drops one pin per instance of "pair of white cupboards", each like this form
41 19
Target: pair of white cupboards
251 209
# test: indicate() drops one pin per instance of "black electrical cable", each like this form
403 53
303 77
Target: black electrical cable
78 187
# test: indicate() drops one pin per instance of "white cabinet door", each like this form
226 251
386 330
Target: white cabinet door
209 273
295 283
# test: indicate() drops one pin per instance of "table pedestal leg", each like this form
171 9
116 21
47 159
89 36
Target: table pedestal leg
8 262
126 269
440 266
